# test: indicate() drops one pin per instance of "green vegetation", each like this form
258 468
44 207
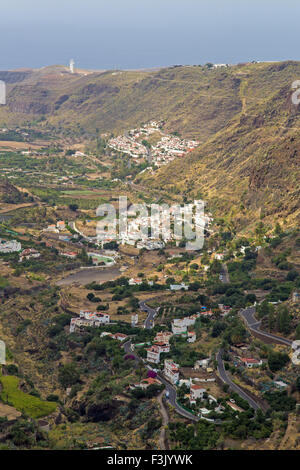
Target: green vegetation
28 404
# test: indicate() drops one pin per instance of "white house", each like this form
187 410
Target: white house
105 333
95 316
52 228
135 282
197 392
153 354
68 254
163 347
179 327
181 286
191 337
163 337
119 336
29 253
10 246
296 345
171 371
202 363
61 225
186 382
296 297
250 362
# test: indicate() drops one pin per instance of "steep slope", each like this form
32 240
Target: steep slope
192 100
251 168
9 193
247 165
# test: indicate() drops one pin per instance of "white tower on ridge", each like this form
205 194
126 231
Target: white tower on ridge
72 63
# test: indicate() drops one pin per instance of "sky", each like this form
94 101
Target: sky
134 34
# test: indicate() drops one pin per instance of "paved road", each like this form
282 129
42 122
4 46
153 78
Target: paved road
226 379
224 275
254 325
248 314
149 323
163 441
172 399
169 387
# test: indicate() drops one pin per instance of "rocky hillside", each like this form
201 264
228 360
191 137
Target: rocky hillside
194 101
247 165
250 169
10 194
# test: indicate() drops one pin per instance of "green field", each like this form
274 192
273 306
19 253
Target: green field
79 192
32 406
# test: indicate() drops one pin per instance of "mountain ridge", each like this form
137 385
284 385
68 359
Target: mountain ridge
243 116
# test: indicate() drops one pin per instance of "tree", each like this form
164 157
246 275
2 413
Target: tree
283 321
278 229
292 275
271 320
194 286
277 360
260 230
73 207
251 298
217 329
68 375
264 309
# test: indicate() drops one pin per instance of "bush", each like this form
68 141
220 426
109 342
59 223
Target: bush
280 401
68 375
277 361
12 369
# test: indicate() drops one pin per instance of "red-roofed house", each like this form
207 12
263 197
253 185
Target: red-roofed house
149 381
191 336
119 336
153 354
250 362
196 392
163 347
171 371
163 337
135 282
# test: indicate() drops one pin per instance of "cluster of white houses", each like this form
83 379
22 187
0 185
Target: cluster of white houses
180 325
197 392
60 226
13 246
161 345
10 246
180 328
166 149
86 318
29 253
118 336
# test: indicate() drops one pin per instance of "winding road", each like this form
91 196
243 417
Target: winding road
226 379
248 315
170 389
149 322
253 325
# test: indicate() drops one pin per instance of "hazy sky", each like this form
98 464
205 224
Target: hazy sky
146 33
